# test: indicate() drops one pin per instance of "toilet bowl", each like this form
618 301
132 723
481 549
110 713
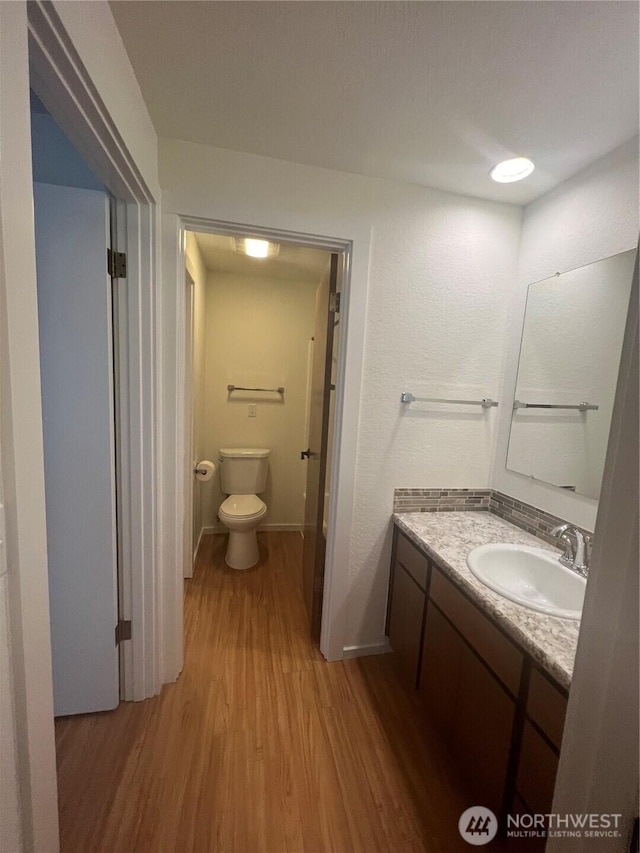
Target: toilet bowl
243 474
241 514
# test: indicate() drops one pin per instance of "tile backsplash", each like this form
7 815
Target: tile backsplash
528 517
441 500
523 515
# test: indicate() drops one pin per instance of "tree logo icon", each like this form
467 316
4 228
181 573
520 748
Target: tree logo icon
478 825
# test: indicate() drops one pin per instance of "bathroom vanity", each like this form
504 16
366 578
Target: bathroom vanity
492 676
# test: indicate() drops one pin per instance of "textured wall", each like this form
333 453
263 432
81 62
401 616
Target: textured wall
97 39
441 269
438 280
257 335
589 217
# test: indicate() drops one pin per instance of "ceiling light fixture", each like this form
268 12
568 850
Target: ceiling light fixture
512 170
255 248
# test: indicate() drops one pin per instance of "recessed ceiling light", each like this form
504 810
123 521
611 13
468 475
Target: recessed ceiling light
512 170
255 248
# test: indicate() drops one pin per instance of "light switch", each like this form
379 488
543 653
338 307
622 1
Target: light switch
252 410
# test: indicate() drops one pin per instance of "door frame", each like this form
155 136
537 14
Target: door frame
188 472
66 90
347 409
36 50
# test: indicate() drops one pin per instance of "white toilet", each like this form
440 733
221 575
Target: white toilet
243 475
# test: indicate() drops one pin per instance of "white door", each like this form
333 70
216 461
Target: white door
76 360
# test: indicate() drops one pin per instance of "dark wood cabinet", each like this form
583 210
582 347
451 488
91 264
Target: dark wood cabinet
537 770
546 708
405 624
489 642
499 714
466 702
441 666
408 586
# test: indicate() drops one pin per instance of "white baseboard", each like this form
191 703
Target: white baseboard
265 528
363 651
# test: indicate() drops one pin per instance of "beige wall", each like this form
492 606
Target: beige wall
257 334
198 272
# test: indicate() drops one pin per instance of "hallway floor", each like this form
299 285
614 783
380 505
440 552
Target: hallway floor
261 746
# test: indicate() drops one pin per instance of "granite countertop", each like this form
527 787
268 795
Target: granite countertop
448 537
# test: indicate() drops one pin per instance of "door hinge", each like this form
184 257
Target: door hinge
116 264
123 631
334 303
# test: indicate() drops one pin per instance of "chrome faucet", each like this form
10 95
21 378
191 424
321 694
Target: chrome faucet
577 548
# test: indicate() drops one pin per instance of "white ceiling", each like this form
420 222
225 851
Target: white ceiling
433 93
293 263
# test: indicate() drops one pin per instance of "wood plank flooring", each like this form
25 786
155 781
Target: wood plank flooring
261 746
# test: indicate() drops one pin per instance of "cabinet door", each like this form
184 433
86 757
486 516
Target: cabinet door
470 709
483 724
440 672
536 771
405 624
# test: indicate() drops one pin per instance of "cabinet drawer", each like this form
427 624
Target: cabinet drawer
405 624
414 562
536 771
500 654
547 707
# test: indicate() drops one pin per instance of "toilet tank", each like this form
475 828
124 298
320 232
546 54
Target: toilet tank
243 470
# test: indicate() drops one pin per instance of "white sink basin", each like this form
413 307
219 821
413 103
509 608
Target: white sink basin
530 576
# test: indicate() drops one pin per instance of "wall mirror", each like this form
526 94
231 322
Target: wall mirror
567 373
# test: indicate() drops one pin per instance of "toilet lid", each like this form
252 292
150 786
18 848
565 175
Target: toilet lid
243 505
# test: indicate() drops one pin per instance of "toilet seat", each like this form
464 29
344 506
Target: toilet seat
243 506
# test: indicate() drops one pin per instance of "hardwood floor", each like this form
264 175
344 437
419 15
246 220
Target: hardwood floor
261 746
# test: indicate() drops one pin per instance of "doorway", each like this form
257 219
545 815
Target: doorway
72 213
270 378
